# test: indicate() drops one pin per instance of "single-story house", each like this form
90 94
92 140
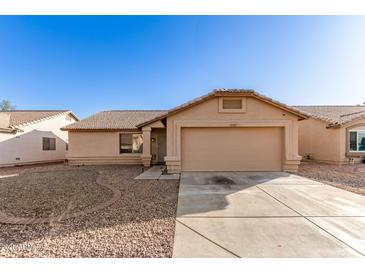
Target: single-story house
224 130
333 134
33 136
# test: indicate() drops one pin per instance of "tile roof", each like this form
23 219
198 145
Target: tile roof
220 92
133 119
21 117
335 115
115 119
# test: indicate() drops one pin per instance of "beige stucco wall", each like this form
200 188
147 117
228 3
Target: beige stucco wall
27 144
322 143
98 148
258 114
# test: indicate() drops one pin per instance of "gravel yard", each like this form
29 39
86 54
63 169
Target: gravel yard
348 177
42 194
140 223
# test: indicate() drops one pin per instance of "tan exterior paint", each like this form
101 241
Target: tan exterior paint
98 148
258 114
320 142
263 131
4 120
227 94
242 109
25 146
231 149
325 144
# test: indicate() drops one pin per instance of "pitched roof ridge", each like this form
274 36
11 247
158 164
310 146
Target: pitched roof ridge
234 90
216 92
328 106
36 110
114 120
134 110
334 115
38 119
356 112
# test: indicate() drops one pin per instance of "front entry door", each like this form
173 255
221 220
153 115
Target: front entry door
158 149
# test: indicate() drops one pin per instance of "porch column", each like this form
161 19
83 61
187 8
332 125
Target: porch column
146 155
292 158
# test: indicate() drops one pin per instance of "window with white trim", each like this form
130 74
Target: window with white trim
130 143
357 141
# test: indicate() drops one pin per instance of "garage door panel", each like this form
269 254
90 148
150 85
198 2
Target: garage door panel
231 149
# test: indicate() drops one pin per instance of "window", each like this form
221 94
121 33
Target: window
232 103
131 143
353 141
49 143
357 140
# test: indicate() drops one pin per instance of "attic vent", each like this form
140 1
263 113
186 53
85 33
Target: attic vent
232 104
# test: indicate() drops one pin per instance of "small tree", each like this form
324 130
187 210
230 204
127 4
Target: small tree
6 105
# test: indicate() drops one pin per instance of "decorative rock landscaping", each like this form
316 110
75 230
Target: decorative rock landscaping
52 198
349 177
63 211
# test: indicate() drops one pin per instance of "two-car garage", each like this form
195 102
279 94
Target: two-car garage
232 149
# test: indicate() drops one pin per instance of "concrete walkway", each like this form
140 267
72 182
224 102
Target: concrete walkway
275 214
155 173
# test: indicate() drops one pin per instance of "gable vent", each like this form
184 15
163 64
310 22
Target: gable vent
232 104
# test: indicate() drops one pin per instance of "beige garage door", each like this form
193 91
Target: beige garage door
231 149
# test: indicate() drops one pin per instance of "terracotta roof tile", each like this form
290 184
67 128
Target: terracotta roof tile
20 117
132 119
115 119
335 115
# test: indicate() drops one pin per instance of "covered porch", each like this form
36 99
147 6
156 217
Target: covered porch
154 144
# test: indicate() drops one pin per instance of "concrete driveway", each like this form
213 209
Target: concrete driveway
266 214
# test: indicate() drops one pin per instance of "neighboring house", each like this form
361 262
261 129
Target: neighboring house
225 130
33 136
333 134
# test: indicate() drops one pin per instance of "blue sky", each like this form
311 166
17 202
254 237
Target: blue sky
93 63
